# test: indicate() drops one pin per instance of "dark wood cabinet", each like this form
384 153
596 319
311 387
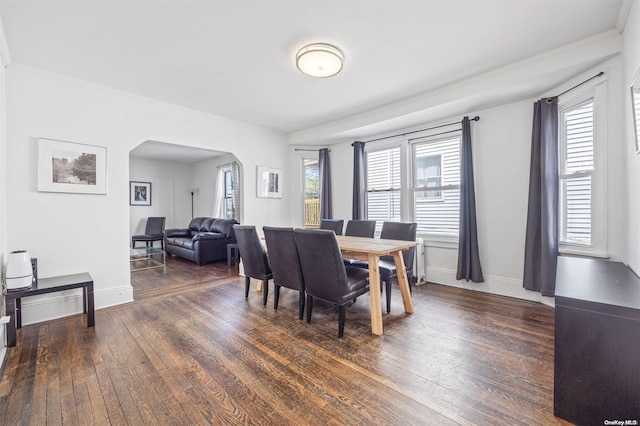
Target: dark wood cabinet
597 342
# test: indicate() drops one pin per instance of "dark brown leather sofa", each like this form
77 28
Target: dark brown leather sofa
204 241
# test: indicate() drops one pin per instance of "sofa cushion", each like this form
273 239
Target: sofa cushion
205 226
224 226
194 225
176 233
177 240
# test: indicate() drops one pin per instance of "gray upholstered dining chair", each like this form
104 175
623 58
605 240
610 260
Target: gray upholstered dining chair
254 259
359 228
333 224
285 263
405 231
325 276
153 231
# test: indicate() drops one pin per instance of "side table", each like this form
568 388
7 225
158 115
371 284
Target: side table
145 255
13 299
232 253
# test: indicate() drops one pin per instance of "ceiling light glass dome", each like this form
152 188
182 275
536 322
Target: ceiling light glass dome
320 60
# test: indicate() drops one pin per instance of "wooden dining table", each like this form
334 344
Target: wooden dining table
371 249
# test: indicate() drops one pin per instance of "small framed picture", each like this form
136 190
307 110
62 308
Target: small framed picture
139 193
71 167
269 182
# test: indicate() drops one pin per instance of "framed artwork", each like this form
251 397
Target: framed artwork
139 193
71 167
269 182
635 109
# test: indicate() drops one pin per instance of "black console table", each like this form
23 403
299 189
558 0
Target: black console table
597 342
48 285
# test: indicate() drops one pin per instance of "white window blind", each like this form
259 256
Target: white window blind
383 186
576 173
437 192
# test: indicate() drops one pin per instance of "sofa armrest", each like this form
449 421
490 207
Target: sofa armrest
177 233
200 236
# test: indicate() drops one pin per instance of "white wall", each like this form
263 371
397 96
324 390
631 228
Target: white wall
170 196
501 155
4 60
69 233
631 54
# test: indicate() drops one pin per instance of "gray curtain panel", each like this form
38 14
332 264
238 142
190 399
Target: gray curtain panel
468 255
541 245
325 185
359 207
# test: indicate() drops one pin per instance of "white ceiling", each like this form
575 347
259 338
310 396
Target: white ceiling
236 58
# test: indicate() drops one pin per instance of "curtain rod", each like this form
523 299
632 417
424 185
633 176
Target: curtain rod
476 118
311 150
600 74
439 133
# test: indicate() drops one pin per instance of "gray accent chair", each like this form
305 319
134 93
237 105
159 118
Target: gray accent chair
154 231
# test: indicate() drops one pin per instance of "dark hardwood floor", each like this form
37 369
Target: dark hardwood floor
192 350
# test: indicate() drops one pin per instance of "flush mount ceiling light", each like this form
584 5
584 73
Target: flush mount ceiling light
320 60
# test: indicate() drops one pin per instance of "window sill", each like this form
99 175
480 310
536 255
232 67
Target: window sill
582 251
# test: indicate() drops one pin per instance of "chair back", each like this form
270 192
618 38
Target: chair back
283 257
360 228
333 224
324 273
254 259
405 231
155 226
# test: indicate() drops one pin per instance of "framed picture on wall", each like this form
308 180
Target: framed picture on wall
269 182
139 193
71 167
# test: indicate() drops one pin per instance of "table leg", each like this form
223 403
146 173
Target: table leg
11 325
403 282
18 312
374 294
91 316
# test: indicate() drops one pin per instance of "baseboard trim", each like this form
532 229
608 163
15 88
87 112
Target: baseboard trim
501 286
59 305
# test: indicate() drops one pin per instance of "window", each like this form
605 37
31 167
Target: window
428 170
576 168
228 199
227 196
436 185
383 186
311 179
229 208
416 180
